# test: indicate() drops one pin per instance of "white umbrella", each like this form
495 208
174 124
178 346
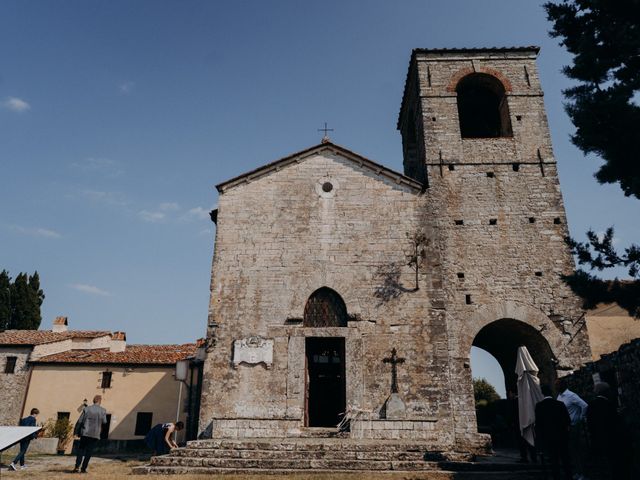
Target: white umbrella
528 393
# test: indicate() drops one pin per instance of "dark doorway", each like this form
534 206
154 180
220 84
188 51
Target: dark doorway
326 388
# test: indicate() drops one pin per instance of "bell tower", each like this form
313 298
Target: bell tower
474 132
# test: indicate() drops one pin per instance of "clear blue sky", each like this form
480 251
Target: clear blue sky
117 118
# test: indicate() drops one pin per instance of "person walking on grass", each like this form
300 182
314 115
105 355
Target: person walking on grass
29 421
88 428
159 437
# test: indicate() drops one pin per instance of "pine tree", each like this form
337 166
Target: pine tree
5 299
604 38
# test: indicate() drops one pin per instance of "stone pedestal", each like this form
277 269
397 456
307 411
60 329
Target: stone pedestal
394 407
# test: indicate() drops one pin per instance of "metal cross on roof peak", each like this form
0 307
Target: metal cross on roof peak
325 137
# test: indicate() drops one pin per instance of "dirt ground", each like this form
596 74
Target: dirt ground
54 467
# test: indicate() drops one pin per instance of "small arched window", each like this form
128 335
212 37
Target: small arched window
482 107
325 308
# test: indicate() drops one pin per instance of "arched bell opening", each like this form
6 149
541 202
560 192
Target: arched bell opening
483 110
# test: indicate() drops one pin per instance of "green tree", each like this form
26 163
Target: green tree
36 299
25 299
483 392
5 299
604 38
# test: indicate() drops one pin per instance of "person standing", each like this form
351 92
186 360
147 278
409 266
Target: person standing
88 428
577 409
608 436
159 437
29 421
552 432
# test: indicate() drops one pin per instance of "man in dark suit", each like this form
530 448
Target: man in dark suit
89 427
552 432
609 439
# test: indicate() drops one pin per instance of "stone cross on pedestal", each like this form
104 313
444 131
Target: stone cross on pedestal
394 360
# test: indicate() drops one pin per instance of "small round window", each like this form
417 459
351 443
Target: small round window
326 187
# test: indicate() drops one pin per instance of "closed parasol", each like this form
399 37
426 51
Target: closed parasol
529 393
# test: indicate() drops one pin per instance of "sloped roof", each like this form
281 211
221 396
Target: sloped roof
527 48
133 354
302 155
40 337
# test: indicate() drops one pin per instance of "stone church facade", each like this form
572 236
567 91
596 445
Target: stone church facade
340 285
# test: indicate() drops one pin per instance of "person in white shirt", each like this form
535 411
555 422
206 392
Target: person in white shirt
577 409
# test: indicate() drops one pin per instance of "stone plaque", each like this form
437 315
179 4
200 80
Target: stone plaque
253 350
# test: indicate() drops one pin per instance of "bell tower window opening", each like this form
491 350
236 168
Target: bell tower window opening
483 110
325 308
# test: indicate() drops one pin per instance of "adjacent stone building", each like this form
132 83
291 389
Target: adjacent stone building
339 285
19 347
59 371
137 384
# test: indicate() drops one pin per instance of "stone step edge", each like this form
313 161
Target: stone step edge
298 465
419 475
357 464
203 452
301 446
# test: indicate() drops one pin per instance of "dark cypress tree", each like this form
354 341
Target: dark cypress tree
26 298
36 297
5 299
19 302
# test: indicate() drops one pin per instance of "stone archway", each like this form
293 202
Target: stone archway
501 338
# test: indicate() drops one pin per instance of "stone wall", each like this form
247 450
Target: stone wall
493 221
278 240
621 370
13 385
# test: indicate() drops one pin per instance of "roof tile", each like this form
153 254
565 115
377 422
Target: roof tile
133 354
39 337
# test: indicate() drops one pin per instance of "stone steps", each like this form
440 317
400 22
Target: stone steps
323 455
308 445
301 454
292 464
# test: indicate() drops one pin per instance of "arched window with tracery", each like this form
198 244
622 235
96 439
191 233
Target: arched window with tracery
482 107
325 308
